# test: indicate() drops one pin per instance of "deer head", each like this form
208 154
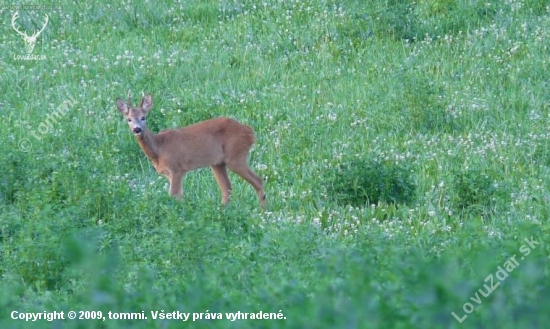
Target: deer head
136 116
30 41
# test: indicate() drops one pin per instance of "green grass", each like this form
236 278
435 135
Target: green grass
404 149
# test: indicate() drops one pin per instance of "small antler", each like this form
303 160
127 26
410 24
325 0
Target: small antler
129 96
13 19
43 27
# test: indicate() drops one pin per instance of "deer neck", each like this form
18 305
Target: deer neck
148 144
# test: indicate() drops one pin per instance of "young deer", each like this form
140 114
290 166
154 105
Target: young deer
219 143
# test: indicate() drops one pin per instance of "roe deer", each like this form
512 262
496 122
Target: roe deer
220 143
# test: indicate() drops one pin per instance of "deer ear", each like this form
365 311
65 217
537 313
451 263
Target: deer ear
122 107
146 103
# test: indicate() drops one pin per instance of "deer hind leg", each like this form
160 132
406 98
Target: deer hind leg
220 173
242 169
176 189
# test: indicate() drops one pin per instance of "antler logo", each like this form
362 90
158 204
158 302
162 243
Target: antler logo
30 41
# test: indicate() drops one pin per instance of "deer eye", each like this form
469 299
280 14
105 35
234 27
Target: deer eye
129 119
142 118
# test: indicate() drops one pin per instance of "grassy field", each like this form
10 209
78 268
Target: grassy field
404 146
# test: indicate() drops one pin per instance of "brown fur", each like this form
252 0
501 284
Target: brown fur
220 143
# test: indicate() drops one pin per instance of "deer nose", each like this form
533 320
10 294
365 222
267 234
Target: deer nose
137 130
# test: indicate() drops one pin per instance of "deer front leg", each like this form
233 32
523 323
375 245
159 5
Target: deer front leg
242 169
220 173
176 189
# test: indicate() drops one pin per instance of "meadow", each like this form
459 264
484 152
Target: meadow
404 147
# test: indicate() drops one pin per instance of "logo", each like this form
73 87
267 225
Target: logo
30 40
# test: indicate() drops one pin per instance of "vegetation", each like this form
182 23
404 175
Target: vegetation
404 148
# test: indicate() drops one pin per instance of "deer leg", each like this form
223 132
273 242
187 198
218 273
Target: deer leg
220 173
176 189
242 169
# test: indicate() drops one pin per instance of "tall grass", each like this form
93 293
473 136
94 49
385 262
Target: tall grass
404 149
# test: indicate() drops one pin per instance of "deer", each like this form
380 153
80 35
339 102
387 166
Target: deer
219 143
30 41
